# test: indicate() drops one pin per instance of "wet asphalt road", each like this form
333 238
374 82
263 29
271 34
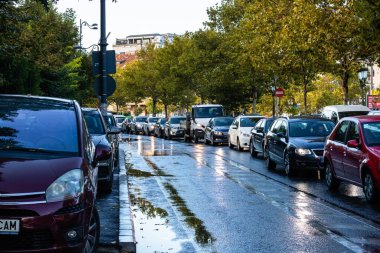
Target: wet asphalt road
197 198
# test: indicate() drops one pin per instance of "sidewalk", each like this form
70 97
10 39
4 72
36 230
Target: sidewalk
116 224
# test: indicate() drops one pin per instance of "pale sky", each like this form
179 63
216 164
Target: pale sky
130 17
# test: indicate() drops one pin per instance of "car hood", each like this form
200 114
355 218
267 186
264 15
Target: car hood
375 150
202 121
308 142
26 175
175 125
99 139
246 130
222 129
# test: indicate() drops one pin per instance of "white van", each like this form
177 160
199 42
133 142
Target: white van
336 112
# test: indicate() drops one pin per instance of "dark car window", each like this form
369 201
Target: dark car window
340 134
141 119
38 125
283 128
152 120
119 119
310 128
94 123
276 126
248 122
353 132
268 124
110 120
371 133
208 112
223 121
176 120
163 121
354 113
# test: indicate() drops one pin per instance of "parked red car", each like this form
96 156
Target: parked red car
352 154
48 176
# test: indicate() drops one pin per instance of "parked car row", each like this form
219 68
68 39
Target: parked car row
52 155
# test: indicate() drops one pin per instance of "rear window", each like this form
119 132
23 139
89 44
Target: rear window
38 124
310 128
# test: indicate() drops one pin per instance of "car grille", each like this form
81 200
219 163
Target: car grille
17 213
318 152
27 240
70 209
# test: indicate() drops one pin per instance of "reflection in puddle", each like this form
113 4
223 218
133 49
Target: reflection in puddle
202 236
152 230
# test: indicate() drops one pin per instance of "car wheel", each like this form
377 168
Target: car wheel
331 181
252 150
230 145
92 240
290 169
195 138
369 188
108 184
271 165
206 141
212 141
239 148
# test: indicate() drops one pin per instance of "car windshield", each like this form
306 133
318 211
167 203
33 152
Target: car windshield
163 121
119 119
141 119
223 121
152 120
371 133
353 113
176 120
310 128
94 123
248 121
208 112
37 124
110 120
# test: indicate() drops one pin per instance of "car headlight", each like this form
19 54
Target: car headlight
138 125
69 185
218 133
303 151
200 125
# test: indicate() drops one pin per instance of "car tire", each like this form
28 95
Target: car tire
271 165
206 141
230 145
93 235
239 148
290 169
252 150
195 138
331 181
369 188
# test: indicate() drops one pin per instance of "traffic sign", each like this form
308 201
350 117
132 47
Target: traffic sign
279 92
110 62
110 87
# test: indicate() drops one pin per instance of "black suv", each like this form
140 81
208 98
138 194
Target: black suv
102 135
297 143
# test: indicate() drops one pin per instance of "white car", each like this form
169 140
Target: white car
239 133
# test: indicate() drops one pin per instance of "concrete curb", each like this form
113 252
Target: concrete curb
127 239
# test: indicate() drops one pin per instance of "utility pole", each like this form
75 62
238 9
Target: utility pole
103 56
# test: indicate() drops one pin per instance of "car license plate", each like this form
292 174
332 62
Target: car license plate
9 226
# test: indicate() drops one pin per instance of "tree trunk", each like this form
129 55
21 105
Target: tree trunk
154 106
345 78
254 100
135 111
166 111
305 97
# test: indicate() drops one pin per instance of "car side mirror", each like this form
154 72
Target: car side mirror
281 135
353 144
260 130
102 152
114 130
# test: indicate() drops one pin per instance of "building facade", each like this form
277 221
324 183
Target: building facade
134 43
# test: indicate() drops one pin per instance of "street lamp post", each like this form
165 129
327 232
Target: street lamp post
84 23
362 75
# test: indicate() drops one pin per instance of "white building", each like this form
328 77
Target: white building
134 43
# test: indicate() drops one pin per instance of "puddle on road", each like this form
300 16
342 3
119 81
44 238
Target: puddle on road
202 236
153 232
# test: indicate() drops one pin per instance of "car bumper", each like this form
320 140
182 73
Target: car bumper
244 141
176 134
309 162
199 133
44 228
220 138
